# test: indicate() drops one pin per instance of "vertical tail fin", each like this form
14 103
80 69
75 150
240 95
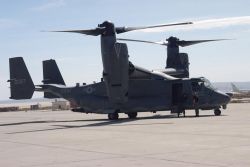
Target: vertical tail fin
21 84
51 75
234 87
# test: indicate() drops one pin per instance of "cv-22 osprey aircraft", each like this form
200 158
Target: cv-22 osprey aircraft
124 88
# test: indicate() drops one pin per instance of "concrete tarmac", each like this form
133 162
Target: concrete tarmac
67 139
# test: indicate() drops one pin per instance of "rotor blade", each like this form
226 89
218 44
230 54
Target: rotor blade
184 43
94 32
134 40
126 29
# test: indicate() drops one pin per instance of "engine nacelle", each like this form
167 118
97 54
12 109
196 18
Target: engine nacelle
117 75
178 61
184 63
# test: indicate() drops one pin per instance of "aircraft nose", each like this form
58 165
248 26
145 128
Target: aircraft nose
227 98
224 98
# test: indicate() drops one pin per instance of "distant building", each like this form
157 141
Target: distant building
6 109
60 105
35 107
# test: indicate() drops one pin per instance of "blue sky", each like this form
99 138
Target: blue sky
78 56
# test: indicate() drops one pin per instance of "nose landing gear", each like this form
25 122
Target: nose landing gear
217 112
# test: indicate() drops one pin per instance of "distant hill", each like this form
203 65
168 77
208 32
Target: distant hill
4 103
35 100
226 86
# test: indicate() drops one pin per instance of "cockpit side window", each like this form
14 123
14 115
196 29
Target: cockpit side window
208 84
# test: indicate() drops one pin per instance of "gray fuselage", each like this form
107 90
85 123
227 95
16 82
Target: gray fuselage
143 95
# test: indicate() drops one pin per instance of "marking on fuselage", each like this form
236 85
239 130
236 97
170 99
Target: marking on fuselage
19 81
89 90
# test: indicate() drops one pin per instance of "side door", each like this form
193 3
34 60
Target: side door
177 94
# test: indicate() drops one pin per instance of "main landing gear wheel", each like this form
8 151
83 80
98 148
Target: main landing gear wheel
113 116
217 112
197 113
132 115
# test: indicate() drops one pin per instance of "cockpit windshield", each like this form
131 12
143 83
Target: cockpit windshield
207 83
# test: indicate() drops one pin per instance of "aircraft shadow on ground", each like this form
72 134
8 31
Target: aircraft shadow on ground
97 124
125 120
104 122
110 121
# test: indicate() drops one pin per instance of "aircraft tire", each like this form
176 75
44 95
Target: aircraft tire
113 116
132 115
217 112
